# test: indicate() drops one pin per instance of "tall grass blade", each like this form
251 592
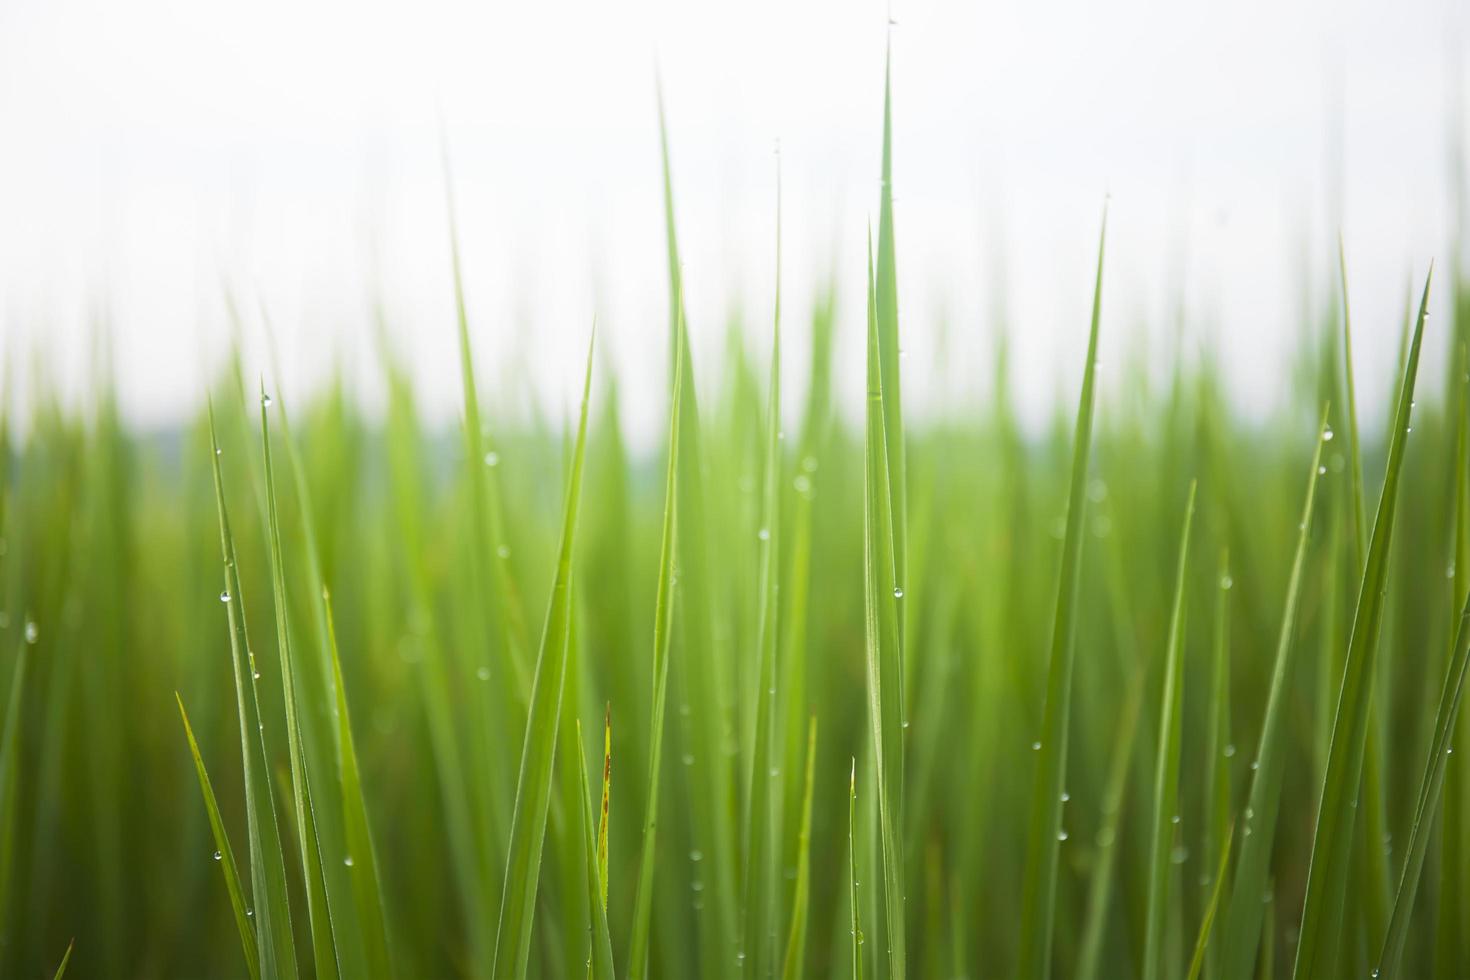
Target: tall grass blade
267 862
638 946
801 892
1166 772
856 918
65 959
1331 847
1243 913
533 785
884 639
1038 896
226 854
323 944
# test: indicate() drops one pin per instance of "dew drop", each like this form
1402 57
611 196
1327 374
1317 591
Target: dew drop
482 672
503 551
256 674
696 855
1327 435
1230 750
224 596
688 759
898 592
219 452
1321 471
1061 835
1065 796
1035 746
1174 819
33 632
1226 582
1255 764
764 534
265 401
218 856
347 860
492 458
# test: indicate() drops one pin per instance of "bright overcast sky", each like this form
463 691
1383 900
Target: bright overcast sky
153 150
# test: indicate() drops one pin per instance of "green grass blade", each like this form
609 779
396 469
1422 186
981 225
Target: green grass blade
538 755
599 962
1331 847
1038 897
638 946
762 836
1218 749
267 862
801 892
1166 773
366 886
10 768
65 959
1243 913
885 296
604 810
856 923
225 853
1430 790
1202 943
1100 897
884 645
323 944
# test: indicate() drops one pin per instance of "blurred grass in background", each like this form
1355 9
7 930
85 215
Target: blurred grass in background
825 602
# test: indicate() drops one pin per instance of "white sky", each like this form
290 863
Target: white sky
150 149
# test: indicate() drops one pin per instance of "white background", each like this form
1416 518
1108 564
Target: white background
151 151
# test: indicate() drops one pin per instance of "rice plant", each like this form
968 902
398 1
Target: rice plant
1155 690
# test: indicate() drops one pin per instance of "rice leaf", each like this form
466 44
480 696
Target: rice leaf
225 853
1244 911
1038 896
662 632
1166 772
1331 846
533 785
801 893
599 962
267 862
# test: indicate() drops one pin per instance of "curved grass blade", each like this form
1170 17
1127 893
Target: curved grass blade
662 633
1038 896
1166 773
801 895
1197 962
538 755
319 915
267 862
599 962
1332 845
1243 913
604 810
1217 747
226 854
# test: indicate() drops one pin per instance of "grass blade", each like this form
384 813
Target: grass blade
1166 773
852 875
1331 847
1197 962
267 862
65 959
533 785
801 893
599 962
662 633
1244 912
224 853
323 944
884 644
1038 897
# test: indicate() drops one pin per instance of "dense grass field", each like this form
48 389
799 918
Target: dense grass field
1153 692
